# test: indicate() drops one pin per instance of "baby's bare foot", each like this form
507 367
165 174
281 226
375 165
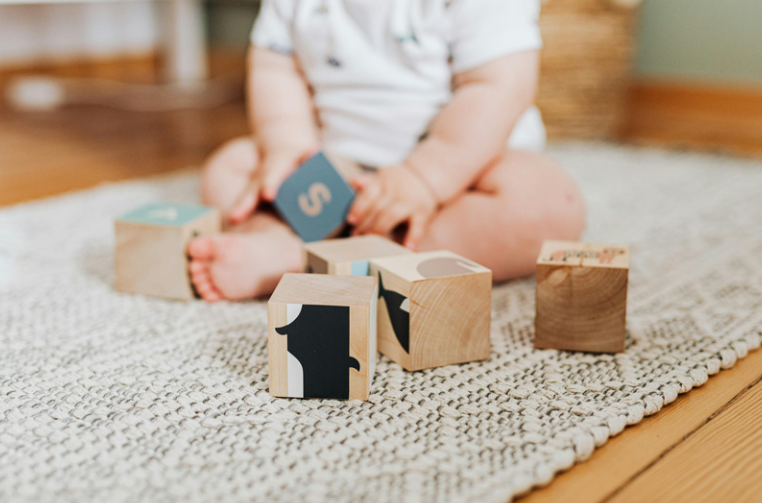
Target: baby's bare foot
242 265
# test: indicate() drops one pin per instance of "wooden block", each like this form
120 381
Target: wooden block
434 309
348 256
322 336
315 200
151 242
581 299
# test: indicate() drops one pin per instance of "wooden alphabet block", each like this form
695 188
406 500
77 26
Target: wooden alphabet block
434 309
151 242
315 200
348 256
322 336
581 299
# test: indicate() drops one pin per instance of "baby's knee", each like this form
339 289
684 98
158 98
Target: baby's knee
237 156
540 199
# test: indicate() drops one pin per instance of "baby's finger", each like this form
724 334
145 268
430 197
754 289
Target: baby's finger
381 206
246 203
276 169
415 230
387 220
360 182
366 223
366 200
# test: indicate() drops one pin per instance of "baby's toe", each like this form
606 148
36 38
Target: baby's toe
202 248
198 267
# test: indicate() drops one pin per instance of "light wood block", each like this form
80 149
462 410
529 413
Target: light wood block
434 309
349 256
151 242
322 336
581 299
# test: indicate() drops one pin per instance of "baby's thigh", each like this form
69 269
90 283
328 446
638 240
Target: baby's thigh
228 171
535 187
522 174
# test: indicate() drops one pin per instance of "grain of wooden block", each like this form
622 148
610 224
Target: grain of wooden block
581 297
348 256
151 242
322 336
434 309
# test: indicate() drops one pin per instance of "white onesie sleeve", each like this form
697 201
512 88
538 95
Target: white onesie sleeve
272 29
483 30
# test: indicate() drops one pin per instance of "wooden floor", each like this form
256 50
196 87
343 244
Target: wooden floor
704 447
47 153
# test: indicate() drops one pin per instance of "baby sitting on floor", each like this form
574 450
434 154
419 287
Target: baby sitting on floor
435 94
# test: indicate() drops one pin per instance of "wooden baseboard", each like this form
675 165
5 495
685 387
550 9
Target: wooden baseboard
715 118
143 67
138 68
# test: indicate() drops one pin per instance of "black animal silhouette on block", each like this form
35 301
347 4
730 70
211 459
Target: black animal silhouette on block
318 346
434 310
398 311
322 336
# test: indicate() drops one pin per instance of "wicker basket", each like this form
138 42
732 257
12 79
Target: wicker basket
586 66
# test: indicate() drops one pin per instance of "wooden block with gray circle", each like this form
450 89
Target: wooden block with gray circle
151 242
581 297
434 309
315 200
322 336
348 256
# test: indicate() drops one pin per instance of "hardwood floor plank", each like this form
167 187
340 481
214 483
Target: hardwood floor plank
719 462
74 148
613 466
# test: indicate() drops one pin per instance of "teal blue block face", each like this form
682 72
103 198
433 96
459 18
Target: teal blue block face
360 268
169 214
315 199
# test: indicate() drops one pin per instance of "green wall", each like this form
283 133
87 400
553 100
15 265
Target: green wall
713 41
229 24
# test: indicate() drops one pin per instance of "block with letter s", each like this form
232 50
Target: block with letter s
315 200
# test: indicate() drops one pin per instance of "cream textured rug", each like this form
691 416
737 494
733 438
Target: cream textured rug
109 397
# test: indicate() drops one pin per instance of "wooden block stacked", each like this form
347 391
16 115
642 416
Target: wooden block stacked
581 297
150 257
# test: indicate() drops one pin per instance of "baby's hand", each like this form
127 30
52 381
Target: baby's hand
393 196
273 169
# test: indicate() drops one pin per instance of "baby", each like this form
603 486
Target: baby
435 94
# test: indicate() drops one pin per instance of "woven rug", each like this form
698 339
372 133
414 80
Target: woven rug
111 397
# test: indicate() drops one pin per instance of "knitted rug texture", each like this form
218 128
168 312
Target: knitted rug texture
113 397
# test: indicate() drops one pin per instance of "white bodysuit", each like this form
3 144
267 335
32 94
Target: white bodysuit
381 70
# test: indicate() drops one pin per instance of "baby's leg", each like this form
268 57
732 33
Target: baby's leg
247 260
227 173
521 200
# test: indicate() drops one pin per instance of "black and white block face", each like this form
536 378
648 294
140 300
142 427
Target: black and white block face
398 310
318 351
